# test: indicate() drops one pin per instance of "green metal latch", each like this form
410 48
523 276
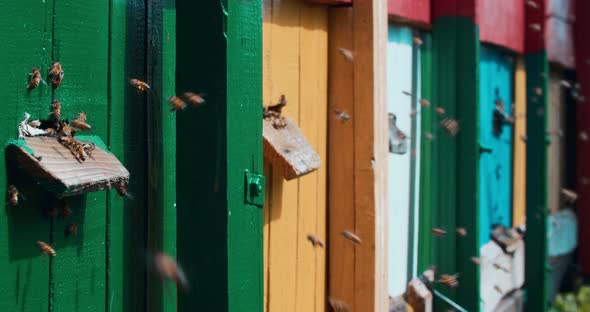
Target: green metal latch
254 189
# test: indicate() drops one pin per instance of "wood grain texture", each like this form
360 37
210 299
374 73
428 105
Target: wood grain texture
519 164
288 149
582 122
79 274
27 29
295 64
501 22
417 11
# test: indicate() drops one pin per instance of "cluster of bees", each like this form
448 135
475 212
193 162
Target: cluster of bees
273 113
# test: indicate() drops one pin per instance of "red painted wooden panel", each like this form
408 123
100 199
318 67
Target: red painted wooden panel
465 8
583 124
534 38
560 42
501 22
413 10
331 2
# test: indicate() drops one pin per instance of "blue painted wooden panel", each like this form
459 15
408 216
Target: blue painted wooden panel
399 71
495 187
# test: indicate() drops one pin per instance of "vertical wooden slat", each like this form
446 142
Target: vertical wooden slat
519 167
79 273
556 107
27 29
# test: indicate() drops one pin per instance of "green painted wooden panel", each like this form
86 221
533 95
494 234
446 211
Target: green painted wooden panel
536 274
455 76
218 234
24 271
427 159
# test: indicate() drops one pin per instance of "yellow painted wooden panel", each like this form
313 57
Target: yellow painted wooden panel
519 184
556 152
295 64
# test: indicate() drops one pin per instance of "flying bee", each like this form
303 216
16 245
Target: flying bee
351 237
417 41
535 27
342 115
501 268
315 241
583 136
428 136
565 84
476 260
408 93
34 79
122 191
46 249
347 54
338 305
450 125
440 110
569 195
439 232
177 103
449 280
498 289
538 91
424 103
194 99
65 209
80 122
532 4
169 269
72 228
56 74
462 231
55 112
13 195
139 85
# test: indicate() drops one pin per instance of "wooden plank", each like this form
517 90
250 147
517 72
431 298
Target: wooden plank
501 22
556 148
313 78
27 27
341 215
536 187
79 274
519 164
370 154
284 71
414 10
582 118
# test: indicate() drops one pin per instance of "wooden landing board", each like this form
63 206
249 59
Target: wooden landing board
61 173
288 148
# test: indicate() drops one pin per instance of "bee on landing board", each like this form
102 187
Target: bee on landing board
55 112
56 74
139 85
351 237
34 78
46 249
169 269
13 195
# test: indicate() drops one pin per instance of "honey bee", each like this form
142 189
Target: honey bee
194 99
65 130
46 249
278 108
440 110
56 74
462 231
169 269
408 93
55 112
535 27
497 288
417 41
89 148
315 241
538 91
51 132
338 305
428 136
34 79
450 125
177 103
13 195
569 195
347 54
439 232
351 237
79 152
139 85
566 84
342 115
65 209
80 122
532 4
122 191
72 228
424 103
476 260
449 280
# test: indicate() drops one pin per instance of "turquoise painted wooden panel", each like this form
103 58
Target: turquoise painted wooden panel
495 187
403 187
